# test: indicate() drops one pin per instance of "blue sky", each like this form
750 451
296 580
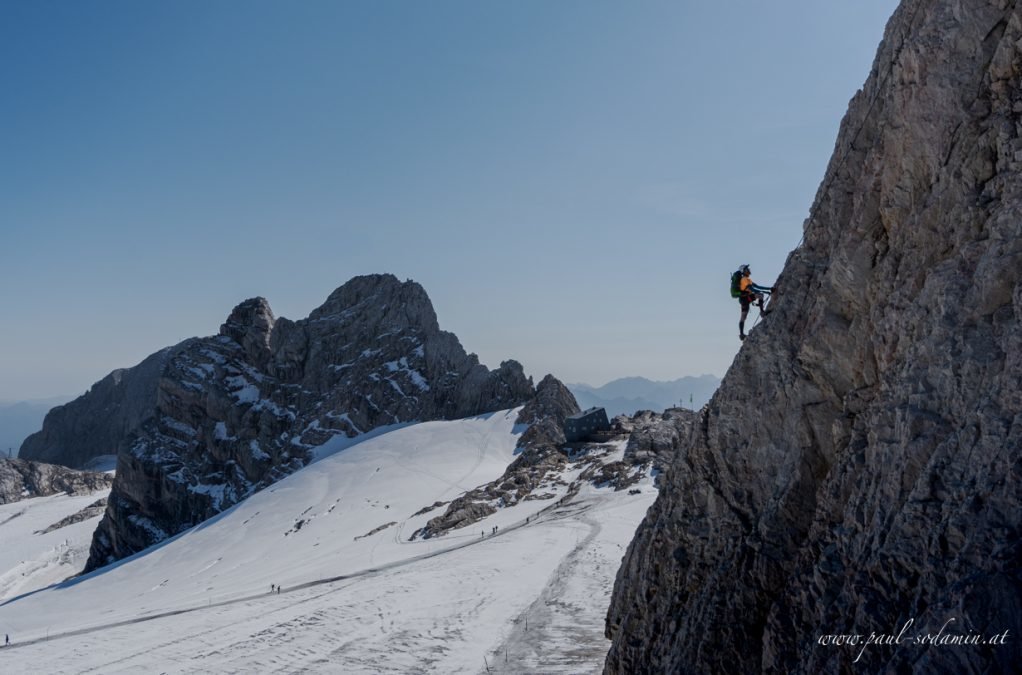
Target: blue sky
572 182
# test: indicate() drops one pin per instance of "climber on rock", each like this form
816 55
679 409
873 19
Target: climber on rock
747 292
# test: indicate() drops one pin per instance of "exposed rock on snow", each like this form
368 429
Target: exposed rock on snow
91 511
544 458
426 509
375 530
859 466
21 479
202 425
539 455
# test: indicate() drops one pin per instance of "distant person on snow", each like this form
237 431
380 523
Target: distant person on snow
747 292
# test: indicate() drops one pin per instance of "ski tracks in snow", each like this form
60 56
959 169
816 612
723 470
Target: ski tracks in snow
411 617
562 631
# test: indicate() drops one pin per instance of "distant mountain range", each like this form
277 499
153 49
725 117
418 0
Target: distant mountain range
20 419
627 395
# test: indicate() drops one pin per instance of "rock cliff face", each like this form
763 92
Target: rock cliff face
21 479
102 421
859 467
218 418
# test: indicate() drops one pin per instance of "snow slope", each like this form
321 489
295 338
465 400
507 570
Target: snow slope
30 558
353 601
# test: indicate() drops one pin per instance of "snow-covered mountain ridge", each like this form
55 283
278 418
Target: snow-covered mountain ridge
199 426
357 594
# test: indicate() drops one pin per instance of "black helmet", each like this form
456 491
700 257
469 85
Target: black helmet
743 269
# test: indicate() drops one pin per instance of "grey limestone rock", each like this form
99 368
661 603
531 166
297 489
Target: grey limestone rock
251 325
545 416
657 438
22 479
859 467
93 510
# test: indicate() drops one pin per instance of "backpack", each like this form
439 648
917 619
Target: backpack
736 284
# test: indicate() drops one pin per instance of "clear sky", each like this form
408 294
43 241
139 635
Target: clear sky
571 181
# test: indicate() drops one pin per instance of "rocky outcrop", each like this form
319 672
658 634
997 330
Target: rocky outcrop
539 455
93 510
545 415
657 438
202 425
858 470
21 479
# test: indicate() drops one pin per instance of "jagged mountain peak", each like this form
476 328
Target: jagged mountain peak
254 311
250 324
382 299
553 400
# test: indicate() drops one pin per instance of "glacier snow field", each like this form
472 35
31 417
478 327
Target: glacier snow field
356 594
